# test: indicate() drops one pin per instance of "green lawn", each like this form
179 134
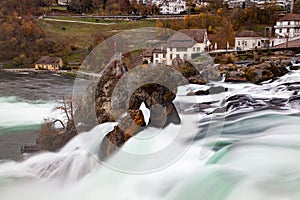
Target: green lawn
61 8
83 35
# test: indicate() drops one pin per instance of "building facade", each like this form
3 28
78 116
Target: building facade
172 6
49 63
186 44
160 56
63 2
288 26
247 40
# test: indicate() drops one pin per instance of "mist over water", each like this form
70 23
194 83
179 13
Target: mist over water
256 156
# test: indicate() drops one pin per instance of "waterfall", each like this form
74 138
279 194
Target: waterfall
256 155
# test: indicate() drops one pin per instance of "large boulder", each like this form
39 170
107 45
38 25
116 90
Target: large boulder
190 72
264 71
233 73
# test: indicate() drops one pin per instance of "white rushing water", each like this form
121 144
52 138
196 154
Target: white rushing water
15 113
258 157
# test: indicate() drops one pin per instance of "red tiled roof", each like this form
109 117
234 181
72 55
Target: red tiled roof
290 17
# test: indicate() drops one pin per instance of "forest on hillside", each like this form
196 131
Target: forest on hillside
23 40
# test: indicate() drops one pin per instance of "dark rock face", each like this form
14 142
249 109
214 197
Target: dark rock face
129 126
111 75
190 72
211 90
233 73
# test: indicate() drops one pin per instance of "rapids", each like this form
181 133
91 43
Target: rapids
243 143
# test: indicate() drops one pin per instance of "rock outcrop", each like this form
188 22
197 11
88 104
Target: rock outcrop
157 98
264 71
255 73
233 73
189 71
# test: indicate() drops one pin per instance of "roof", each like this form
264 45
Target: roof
160 51
187 37
48 60
290 17
247 34
148 52
196 34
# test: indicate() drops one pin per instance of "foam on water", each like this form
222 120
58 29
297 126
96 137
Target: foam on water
259 159
18 114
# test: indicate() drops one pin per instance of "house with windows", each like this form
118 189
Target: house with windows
247 40
166 6
186 44
148 55
172 6
160 56
288 26
63 2
155 55
49 63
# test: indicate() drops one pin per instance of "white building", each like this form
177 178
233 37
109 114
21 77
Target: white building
247 40
289 26
186 44
258 3
172 6
155 55
160 56
63 2
240 3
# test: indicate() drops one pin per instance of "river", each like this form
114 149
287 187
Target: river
240 144
26 99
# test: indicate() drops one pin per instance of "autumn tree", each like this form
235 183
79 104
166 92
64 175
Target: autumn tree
296 8
225 34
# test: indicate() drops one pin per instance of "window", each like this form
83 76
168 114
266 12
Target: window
156 55
171 49
288 30
289 23
198 49
177 56
258 44
280 30
171 56
193 49
239 43
181 49
245 43
164 55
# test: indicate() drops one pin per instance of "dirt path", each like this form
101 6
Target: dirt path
79 22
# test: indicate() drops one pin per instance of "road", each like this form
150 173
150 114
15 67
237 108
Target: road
78 22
